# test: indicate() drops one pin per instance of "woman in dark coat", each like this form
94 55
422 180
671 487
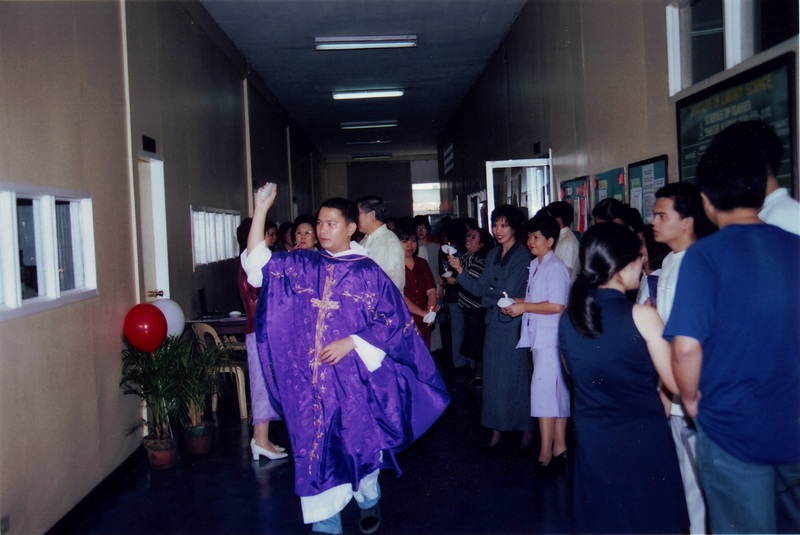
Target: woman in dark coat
506 383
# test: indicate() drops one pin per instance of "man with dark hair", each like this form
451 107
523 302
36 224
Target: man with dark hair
343 364
381 243
678 221
736 347
567 244
677 213
779 208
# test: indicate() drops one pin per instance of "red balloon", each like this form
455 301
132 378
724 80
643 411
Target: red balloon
145 327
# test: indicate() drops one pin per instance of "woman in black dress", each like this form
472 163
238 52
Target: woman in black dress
626 477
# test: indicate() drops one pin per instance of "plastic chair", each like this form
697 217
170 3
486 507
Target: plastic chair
201 330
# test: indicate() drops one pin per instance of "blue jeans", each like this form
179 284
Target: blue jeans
333 525
747 497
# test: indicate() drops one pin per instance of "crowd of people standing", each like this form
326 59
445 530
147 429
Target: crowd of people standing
675 428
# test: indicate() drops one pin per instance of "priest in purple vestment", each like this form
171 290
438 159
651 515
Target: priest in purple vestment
343 363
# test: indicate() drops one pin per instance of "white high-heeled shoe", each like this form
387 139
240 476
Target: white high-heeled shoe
258 451
279 448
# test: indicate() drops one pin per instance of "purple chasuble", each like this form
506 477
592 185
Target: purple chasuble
341 417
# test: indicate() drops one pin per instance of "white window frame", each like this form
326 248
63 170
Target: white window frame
50 294
737 35
213 234
535 182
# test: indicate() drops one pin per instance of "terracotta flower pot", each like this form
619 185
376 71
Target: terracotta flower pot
198 439
160 452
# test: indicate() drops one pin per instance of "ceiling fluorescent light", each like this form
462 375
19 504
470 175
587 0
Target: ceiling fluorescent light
371 142
363 42
380 156
358 125
371 93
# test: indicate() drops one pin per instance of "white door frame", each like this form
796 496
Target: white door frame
153 226
543 163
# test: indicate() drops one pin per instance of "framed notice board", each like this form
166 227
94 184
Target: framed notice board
576 192
644 179
608 184
765 92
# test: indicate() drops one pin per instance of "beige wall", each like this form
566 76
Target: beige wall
335 184
62 417
187 96
586 78
63 119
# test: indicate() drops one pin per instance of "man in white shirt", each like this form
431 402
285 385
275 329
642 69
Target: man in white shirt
567 245
678 210
381 243
779 208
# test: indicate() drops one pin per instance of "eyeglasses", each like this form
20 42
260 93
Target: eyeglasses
304 233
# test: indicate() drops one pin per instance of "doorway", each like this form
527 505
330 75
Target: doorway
525 183
153 227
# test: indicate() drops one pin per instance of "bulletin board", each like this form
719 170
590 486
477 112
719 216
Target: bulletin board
644 179
765 92
608 184
576 192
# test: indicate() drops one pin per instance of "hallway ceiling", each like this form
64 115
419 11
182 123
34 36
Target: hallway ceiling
455 40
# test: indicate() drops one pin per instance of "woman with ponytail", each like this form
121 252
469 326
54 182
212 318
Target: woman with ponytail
626 477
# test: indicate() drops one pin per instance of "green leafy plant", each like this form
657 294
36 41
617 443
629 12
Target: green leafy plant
198 377
153 378
174 381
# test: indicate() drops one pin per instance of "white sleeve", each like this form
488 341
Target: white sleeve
644 290
370 355
255 262
571 255
395 262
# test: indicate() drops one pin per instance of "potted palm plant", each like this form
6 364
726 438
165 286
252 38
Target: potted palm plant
198 377
152 377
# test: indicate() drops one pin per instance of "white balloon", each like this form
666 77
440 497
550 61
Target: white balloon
176 321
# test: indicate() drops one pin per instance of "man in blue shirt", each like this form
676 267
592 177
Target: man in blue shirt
736 347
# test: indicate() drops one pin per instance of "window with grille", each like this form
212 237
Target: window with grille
214 235
47 254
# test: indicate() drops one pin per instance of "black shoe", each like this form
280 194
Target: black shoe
370 519
463 374
524 449
496 448
476 384
541 469
560 462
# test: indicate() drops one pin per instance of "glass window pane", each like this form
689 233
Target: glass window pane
707 39
774 21
199 233
219 237
78 268
426 198
214 234
26 232
66 272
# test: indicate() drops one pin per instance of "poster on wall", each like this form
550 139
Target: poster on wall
576 193
644 179
765 92
608 184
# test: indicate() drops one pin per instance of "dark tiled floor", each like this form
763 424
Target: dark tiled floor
449 486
